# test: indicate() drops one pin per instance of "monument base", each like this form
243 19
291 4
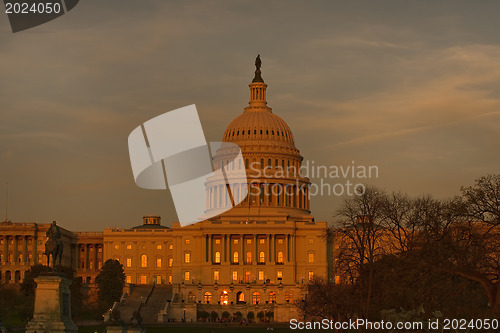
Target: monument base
52 306
121 329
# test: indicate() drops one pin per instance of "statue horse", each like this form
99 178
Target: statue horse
54 248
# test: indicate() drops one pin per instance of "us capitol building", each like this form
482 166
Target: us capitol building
256 257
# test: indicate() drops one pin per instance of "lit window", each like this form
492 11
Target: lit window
117 246
224 298
280 257
129 262
170 262
158 279
129 247
261 275
279 274
235 275
272 297
311 257
311 275
248 276
262 241
188 241
249 257
288 297
128 279
249 241
337 279
216 276
144 279
158 247
280 241
217 241
217 257
187 257
207 298
144 260
235 241
235 257
170 279
262 257
171 247
311 240
158 262
256 298
186 276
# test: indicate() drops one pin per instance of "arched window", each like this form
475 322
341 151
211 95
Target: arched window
240 297
235 257
207 298
280 257
144 260
249 257
288 297
191 297
223 298
262 257
217 257
272 297
256 298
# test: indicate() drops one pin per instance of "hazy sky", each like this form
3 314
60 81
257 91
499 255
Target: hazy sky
412 87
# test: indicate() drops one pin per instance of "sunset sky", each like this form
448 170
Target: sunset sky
412 87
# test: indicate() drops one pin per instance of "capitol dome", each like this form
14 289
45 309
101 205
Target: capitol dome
271 163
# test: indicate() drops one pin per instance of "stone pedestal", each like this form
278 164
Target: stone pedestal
52 306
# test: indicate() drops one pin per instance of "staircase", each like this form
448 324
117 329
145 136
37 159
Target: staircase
155 303
133 302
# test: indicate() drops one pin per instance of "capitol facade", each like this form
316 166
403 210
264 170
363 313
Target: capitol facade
257 257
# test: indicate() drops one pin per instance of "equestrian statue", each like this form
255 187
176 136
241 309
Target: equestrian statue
54 244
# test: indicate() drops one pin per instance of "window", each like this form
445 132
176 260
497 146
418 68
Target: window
207 298
235 241
188 241
129 247
128 279
235 257
170 262
262 257
262 241
216 276
280 241
191 298
248 276
272 297
158 247
249 241
217 258
240 297
256 298
311 240
143 279
171 247
186 276
117 246
288 297
235 275
158 262
224 297
311 257
129 262
279 274
187 257
217 241
249 257
310 275
170 279
337 279
261 275
158 279
144 260
280 257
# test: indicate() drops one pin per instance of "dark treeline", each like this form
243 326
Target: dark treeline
417 257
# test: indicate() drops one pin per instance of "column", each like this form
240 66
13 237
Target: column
271 256
287 240
87 248
26 259
6 248
15 249
96 250
206 248
243 253
35 249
